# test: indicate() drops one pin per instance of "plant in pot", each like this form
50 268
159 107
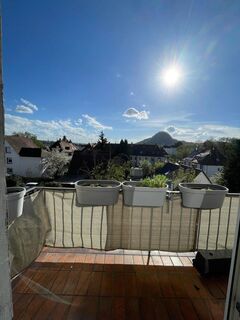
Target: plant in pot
150 192
15 200
202 196
97 192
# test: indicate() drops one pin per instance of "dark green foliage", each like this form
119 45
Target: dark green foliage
231 173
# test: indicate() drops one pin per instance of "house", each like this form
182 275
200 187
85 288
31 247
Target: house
23 157
209 161
64 145
151 153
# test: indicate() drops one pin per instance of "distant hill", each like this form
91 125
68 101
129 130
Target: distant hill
162 138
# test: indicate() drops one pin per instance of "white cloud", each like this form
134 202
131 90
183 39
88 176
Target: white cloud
197 132
132 93
29 104
92 122
50 129
23 109
134 113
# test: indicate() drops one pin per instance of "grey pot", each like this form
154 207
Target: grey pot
97 192
202 196
142 196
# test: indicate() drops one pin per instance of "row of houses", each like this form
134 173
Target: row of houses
25 158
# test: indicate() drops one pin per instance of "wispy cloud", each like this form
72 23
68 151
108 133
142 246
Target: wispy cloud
26 107
23 109
92 122
29 104
135 114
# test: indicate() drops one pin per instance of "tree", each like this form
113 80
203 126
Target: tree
102 140
147 168
231 172
56 165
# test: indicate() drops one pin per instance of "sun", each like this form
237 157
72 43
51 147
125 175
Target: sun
172 76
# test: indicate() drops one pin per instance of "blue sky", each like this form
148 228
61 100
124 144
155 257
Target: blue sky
78 67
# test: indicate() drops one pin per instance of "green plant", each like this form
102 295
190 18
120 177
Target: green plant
158 181
182 175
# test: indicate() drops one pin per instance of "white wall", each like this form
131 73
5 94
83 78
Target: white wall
23 166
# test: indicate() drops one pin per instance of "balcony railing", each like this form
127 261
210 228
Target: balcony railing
51 217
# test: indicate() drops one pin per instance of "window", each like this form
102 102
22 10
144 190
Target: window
7 149
9 160
9 170
67 148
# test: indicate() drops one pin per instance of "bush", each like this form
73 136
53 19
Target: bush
158 181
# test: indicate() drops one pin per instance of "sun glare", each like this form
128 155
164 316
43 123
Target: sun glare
172 76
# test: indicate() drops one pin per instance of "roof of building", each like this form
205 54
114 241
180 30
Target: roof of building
23 146
147 150
63 145
211 157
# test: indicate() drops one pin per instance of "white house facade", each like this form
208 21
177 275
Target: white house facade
22 157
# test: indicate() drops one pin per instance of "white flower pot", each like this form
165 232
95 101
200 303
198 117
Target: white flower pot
202 196
97 192
143 196
15 200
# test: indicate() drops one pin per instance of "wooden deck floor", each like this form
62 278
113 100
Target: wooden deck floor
84 284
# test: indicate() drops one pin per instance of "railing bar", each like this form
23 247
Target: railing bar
121 236
72 218
63 231
229 213
180 227
101 227
150 230
81 227
91 227
219 222
209 222
189 227
170 227
160 229
112 216
55 222
199 229
140 238
197 225
131 221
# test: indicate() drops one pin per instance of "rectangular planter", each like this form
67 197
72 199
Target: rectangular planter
97 192
202 196
143 196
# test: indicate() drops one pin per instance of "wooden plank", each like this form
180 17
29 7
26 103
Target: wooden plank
119 309
83 308
201 309
131 284
187 309
132 309
166 261
176 281
147 309
118 284
160 309
165 285
60 281
215 308
83 283
107 284
186 261
173 309
176 261
71 283
94 286
105 308
19 307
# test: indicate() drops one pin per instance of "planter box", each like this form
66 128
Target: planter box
15 200
97 192
143 196
202 196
